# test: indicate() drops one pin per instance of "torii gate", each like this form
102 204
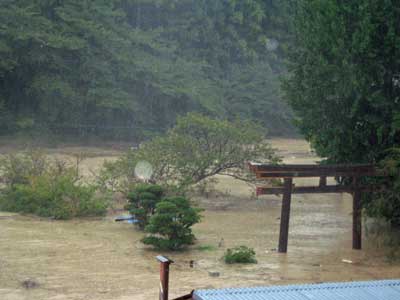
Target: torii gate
288 172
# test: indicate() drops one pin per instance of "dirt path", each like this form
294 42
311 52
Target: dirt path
101 259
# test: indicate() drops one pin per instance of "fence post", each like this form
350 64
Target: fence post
164 276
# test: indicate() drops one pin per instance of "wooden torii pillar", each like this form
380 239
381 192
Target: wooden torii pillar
288 172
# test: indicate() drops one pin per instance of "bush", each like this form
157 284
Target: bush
241 254
385 202
170 226
20 168
142 202
35 185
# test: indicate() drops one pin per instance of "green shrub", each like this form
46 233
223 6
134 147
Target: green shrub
142 202
170 226
385 202
206 248
35 185
241 254
19 168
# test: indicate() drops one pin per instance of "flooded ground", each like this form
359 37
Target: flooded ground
101 259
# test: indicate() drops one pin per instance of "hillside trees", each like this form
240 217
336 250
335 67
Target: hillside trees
344 84
124 68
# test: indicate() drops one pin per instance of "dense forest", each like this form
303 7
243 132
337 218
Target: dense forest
126 69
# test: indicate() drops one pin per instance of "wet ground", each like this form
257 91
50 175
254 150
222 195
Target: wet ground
101 259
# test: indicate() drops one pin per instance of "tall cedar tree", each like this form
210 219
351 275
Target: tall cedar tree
344 86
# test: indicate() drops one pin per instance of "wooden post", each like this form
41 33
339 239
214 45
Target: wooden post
164 277
322 181
357 233
285 215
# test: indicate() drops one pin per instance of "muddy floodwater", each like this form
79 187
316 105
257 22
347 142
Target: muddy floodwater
102 259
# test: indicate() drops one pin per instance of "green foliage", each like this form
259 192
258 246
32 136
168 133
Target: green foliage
170 226
198 147
20 168
142 202
386 237
37 186
123 69
206 248
343 85
386 202
240 255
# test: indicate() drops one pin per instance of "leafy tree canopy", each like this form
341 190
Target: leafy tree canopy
196 148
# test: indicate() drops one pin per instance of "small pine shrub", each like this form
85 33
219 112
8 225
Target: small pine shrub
142 202
241 255
170 226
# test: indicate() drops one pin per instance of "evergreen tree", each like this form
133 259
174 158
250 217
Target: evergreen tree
344 84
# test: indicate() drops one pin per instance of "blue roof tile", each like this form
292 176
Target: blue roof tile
364 290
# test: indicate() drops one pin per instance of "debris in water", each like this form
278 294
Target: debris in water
347 261
213 273
208 287
129 219
316 265
29 284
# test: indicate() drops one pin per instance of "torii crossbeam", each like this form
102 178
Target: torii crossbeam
288 172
